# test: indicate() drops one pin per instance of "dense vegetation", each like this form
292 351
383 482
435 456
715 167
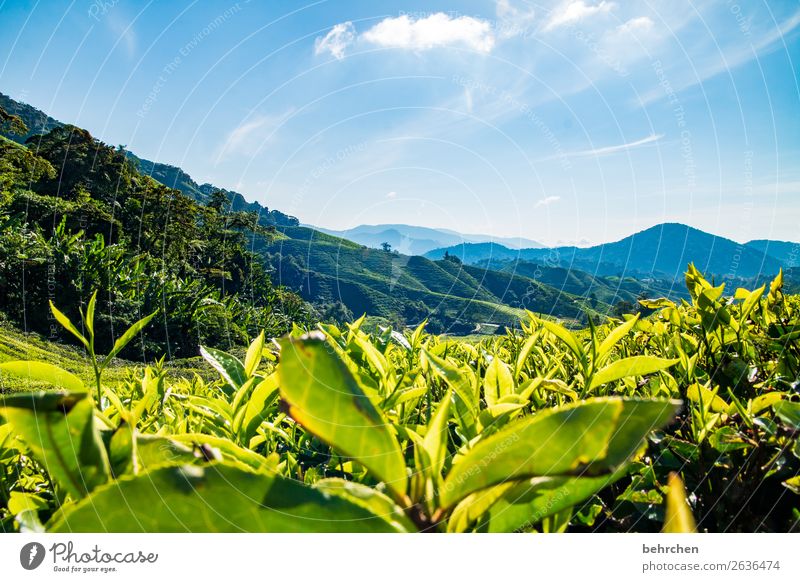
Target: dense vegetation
404 290
674 414
341 279
77 216
542 429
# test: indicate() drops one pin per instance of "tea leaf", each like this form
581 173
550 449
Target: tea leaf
61 433
633 366
588 438
43 372
228 366
325 398
677 516
213 498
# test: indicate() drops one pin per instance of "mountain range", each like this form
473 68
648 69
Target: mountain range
661 251
418 240
461 282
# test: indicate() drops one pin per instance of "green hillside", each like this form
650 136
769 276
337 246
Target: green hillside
404 289
337 277
598 290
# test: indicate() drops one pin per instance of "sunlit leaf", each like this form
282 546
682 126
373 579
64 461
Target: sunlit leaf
633 366
62 435
213 498
42 372
325 398
583 439
678 516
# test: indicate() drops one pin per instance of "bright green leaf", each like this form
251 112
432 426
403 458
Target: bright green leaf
213 498
678 516
325 398
633 366
582 439
62 435
44 373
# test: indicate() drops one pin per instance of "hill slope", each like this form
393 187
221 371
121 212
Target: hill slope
39 122
788 253
325 268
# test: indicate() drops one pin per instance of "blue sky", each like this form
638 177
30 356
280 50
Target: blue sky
569 121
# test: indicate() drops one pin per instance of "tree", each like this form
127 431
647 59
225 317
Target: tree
386 247
451 258
12 123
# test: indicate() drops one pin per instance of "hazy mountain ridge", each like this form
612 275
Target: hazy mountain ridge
418 240
661 251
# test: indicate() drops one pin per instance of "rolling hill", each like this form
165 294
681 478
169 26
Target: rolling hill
324 269
484 281
788 253
328 269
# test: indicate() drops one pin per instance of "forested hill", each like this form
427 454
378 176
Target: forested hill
88 201
78 217
39 122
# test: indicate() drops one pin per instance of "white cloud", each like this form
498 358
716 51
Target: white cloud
504 9
436 30
251 134
636 25
617 148
572 12
391 195
546 201
511 20
712 63
336 41
625 42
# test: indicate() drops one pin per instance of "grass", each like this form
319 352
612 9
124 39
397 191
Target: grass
18 345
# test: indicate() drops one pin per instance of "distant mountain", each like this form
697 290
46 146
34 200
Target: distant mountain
39 122
418 240
662 251
479 253
599 290
788 253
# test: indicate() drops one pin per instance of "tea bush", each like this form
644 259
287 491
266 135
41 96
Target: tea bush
542 429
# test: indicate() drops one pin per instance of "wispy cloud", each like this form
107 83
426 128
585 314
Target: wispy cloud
546 201
251 134
572 12
336 41
512 20
771 39
436 30
604 151
124 31
636 25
